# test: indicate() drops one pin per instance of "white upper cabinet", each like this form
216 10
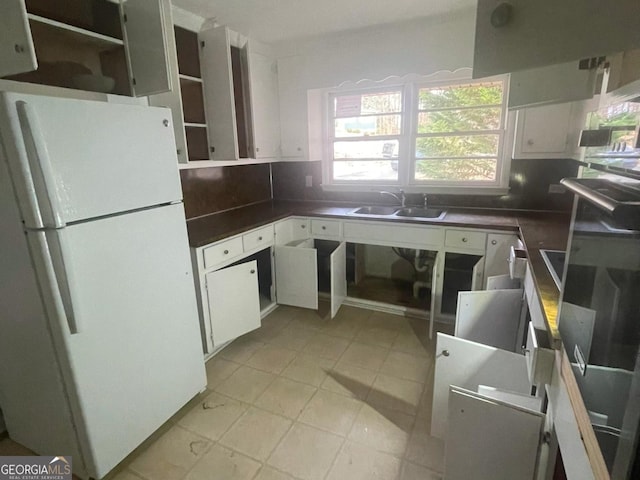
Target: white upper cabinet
550 131
241 95
564 82
145 40
219 93
99 46
521 35
263 81
17 53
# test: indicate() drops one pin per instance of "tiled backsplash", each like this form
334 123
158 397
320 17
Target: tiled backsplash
214 189
529 187
210 190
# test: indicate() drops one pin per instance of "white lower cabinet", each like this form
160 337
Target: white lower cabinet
290 229
483 406
483 409
466 364
234 301
490 317
296 272
490 439
497 256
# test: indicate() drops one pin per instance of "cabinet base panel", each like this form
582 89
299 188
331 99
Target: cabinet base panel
391 291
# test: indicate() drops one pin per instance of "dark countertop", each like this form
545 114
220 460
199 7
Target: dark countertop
538 230
217 226
549 231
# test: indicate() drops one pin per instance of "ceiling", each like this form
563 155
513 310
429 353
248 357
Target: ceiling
280 20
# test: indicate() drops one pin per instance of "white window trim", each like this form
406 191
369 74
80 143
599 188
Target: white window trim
410 87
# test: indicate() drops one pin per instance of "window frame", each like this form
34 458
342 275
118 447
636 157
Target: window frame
409 134
331 139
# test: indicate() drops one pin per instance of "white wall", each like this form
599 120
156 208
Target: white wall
382 262
422 47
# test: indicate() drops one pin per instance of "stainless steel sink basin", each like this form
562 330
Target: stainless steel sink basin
375 210
420 212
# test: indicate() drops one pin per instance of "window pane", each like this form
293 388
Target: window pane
366 149
457 146
460 96
367 104
459 120
367 126
374 170
468 169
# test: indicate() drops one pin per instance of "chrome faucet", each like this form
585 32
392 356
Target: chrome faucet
400 196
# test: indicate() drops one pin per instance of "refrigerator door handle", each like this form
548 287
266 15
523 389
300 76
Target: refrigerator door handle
38 162
51 259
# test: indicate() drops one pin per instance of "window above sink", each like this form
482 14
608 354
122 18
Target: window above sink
440 134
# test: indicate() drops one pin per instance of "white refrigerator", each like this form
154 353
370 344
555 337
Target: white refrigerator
99 331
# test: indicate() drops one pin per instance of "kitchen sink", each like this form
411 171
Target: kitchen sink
420 212
375 210
408 212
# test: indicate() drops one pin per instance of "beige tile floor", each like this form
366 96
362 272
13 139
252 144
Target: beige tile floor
306 398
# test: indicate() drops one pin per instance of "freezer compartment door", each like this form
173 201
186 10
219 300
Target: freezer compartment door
132 355
75 160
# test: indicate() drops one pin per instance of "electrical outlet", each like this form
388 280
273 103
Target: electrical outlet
556 188
308 181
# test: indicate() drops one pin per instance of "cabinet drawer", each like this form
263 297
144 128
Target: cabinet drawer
539 355
322 227
394 235
222 252
258 238
465 239
301 227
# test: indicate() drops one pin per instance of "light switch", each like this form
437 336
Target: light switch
308 181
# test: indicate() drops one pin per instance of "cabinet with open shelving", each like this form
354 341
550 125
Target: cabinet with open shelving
92 45
226 105
186 100
241 90
191 94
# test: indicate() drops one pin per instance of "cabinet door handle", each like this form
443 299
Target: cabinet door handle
493 242
445 353
464 239
253 271
226 252
324 227
303 226
259 239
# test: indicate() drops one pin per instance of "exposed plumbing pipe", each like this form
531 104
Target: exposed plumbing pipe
419 263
